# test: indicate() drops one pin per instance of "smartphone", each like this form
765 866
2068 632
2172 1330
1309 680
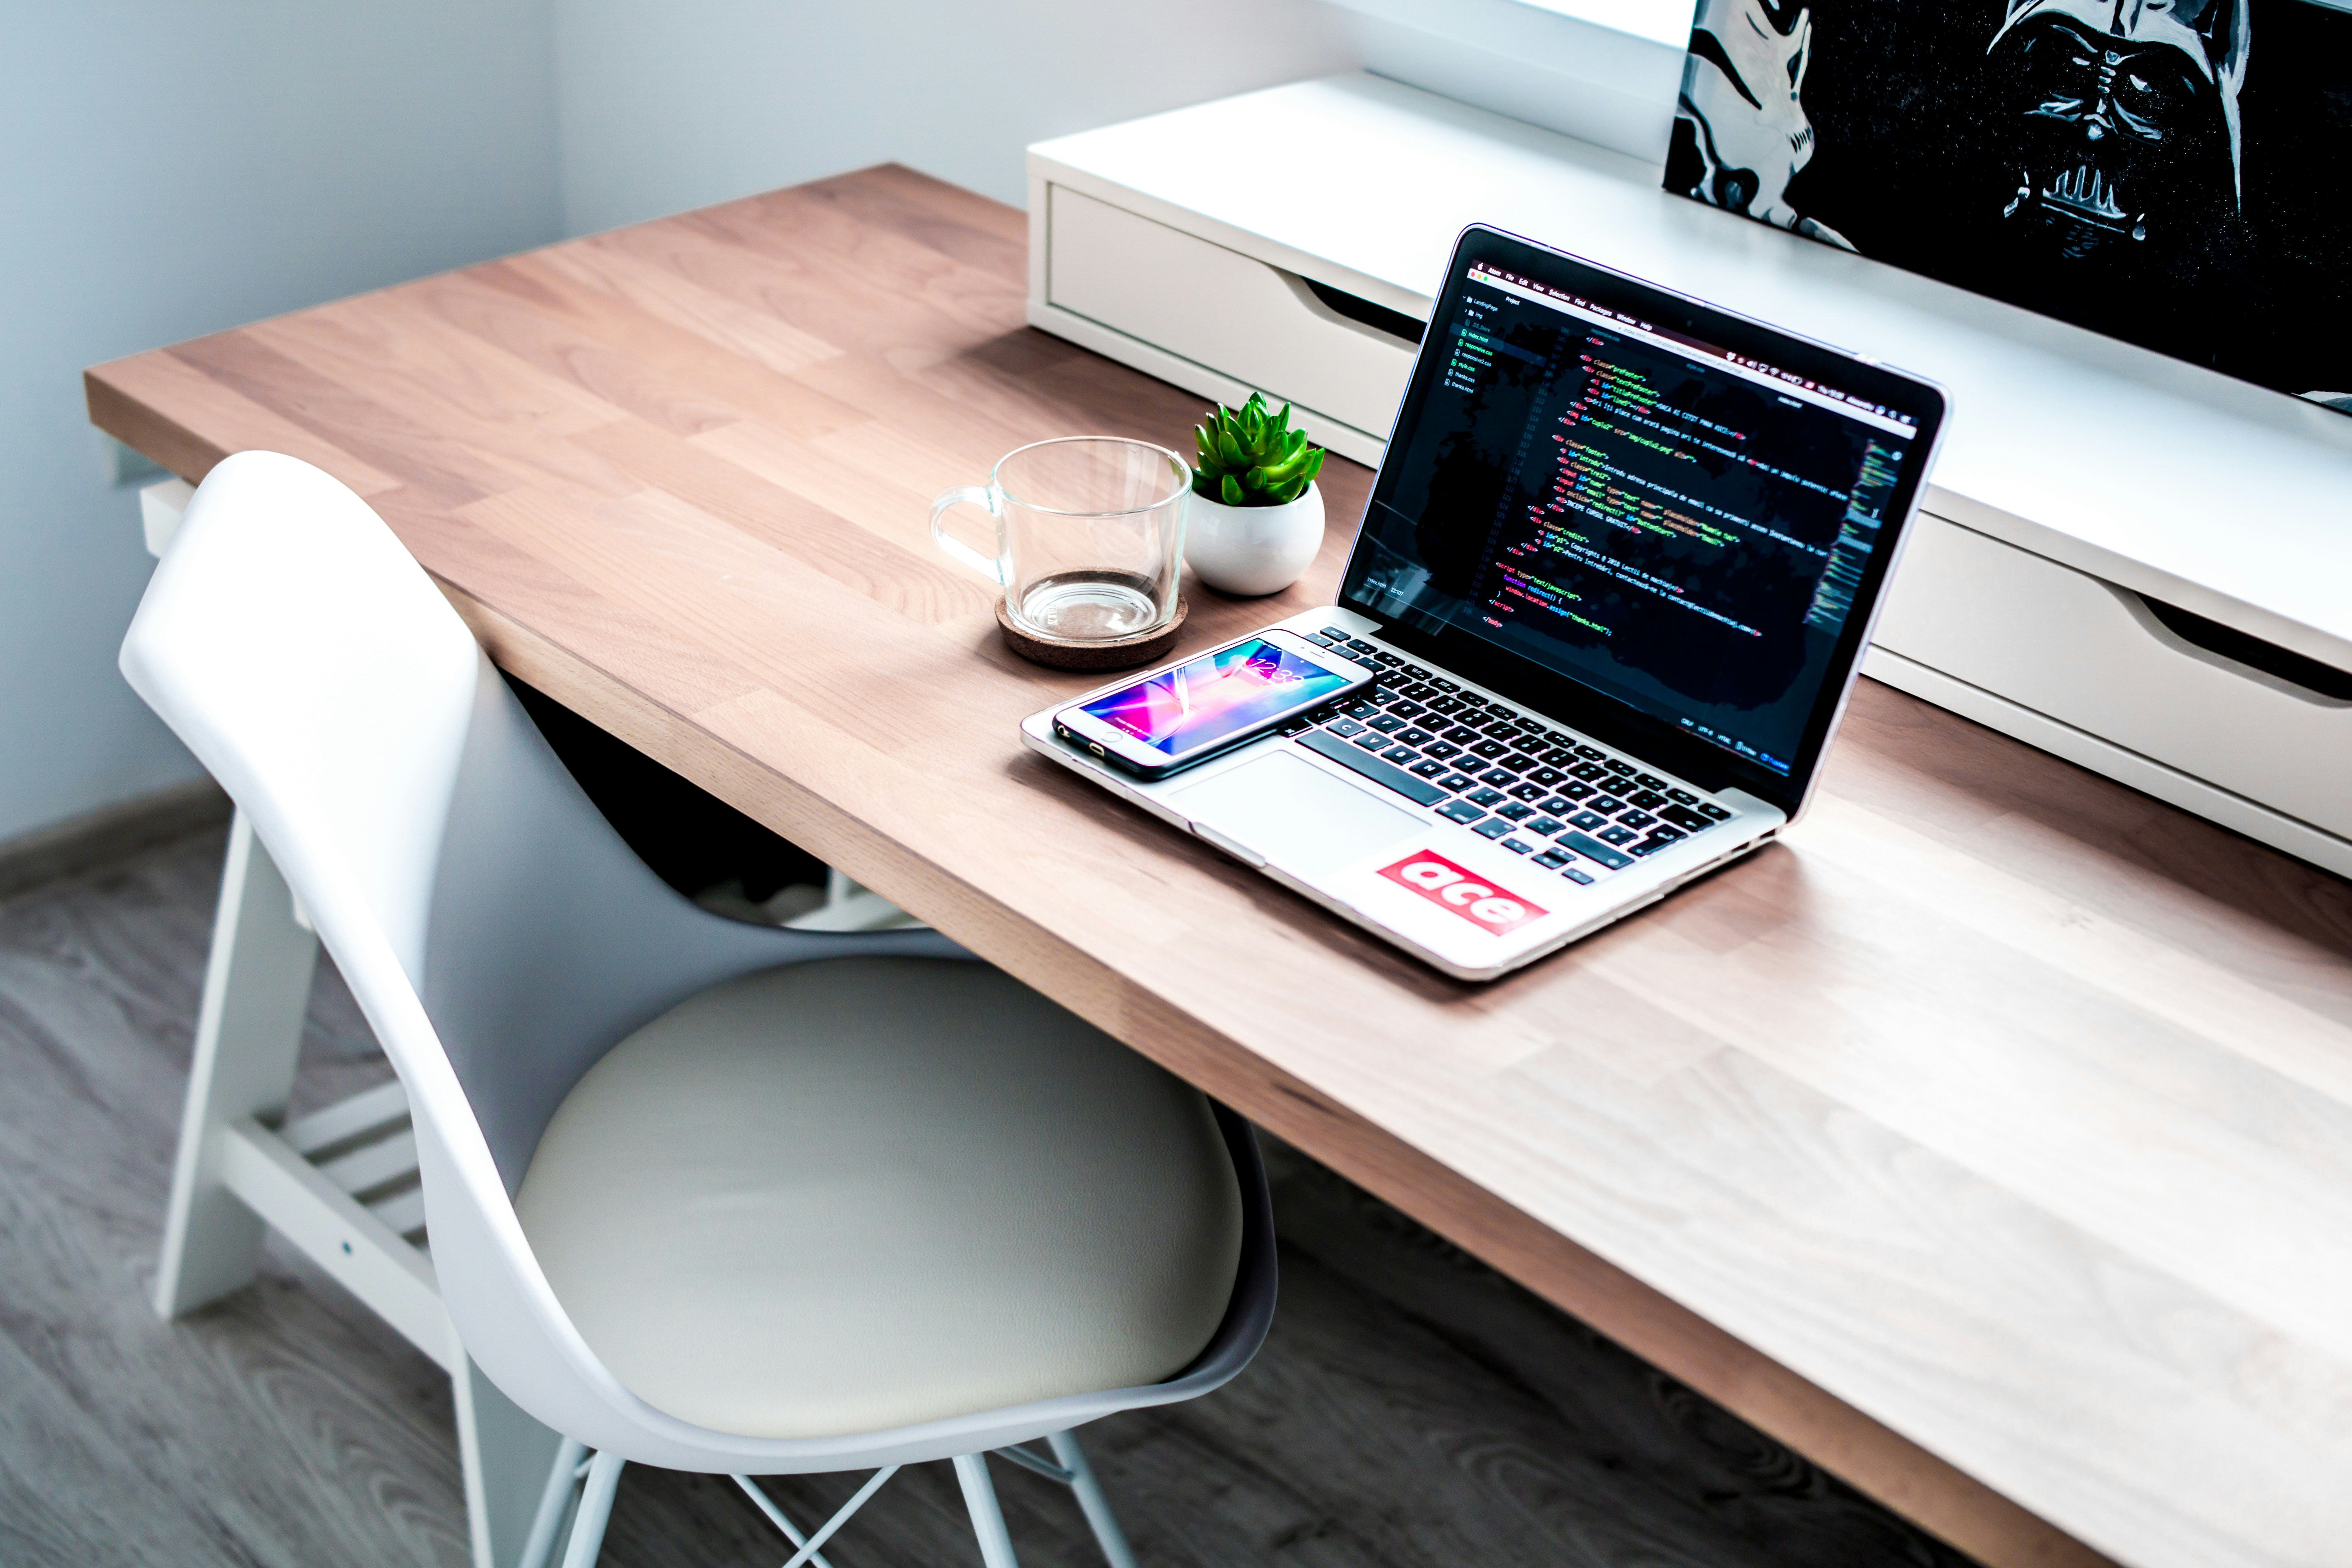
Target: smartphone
1166 721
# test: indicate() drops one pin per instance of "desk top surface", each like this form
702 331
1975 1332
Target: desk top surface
1988 1140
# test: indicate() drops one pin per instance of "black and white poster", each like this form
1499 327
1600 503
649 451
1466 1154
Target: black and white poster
2169 171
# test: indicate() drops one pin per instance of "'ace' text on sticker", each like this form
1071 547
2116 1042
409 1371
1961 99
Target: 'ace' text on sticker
1449 885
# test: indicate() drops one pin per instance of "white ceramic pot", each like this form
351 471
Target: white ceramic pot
1251 550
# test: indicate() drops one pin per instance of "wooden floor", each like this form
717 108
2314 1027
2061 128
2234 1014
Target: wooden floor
1412 1406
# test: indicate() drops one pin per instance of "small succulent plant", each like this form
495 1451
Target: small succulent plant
1252 457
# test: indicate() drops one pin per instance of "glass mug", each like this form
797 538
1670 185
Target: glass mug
1090 535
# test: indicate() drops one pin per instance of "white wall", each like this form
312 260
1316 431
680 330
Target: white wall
675 105
172 169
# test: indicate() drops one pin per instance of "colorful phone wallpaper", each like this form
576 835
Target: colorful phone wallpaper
1195 704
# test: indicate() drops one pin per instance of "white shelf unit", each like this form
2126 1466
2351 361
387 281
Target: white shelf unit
2084 484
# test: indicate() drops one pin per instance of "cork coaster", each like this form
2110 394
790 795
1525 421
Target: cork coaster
1105 653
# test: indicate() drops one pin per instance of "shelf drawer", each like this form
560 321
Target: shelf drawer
1234 314
2089 654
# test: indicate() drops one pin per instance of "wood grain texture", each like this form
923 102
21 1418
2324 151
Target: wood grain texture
1411 1408
1990 1141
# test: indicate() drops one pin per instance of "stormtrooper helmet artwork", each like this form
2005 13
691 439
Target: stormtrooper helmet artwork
1740 132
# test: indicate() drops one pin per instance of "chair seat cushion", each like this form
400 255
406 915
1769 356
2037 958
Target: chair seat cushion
848 1195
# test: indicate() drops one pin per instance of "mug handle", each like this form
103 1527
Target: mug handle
982 497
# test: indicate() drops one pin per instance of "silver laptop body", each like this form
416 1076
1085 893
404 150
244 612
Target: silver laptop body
1609 667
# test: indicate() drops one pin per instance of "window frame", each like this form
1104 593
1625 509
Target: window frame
1514 26
1604 72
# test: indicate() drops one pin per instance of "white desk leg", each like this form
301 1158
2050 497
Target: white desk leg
506 1456
256 989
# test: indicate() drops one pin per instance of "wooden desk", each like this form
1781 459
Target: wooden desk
1990 1141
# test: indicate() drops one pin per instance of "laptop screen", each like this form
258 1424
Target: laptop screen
1681 512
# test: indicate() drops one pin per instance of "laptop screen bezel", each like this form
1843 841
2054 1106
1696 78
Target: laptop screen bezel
1608 720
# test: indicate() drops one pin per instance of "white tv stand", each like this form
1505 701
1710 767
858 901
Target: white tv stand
2089 492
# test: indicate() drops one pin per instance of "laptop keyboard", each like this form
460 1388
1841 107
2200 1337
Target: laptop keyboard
1568 805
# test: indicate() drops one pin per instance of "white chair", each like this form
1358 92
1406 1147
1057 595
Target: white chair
700 1195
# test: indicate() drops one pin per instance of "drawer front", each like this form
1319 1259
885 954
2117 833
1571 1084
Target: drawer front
1223 309
2084 652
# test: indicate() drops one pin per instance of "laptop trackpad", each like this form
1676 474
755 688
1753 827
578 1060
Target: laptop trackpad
1291 811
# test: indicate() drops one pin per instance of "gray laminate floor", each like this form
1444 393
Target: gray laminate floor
1412 1406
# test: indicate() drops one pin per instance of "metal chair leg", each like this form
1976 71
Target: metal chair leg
987 1518
808 1545
596 1510
1096 1506
561 1477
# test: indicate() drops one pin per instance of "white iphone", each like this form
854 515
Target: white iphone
1165 722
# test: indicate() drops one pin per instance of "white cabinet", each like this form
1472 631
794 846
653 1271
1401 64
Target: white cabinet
1237 319
2087 492
2090 671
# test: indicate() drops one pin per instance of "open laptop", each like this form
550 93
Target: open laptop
1619 567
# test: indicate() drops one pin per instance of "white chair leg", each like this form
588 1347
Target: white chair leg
506 1456
596 1510
256 989
987 1518
554 1500
1096 1506
809 1546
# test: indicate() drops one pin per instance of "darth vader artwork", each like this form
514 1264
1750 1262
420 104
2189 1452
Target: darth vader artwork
2163 171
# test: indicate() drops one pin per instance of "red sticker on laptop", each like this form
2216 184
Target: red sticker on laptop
1450 887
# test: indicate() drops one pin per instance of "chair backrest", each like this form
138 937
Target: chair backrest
449 862
497 935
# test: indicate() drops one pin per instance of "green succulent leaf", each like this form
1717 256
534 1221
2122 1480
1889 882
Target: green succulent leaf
1250 456
1283 468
